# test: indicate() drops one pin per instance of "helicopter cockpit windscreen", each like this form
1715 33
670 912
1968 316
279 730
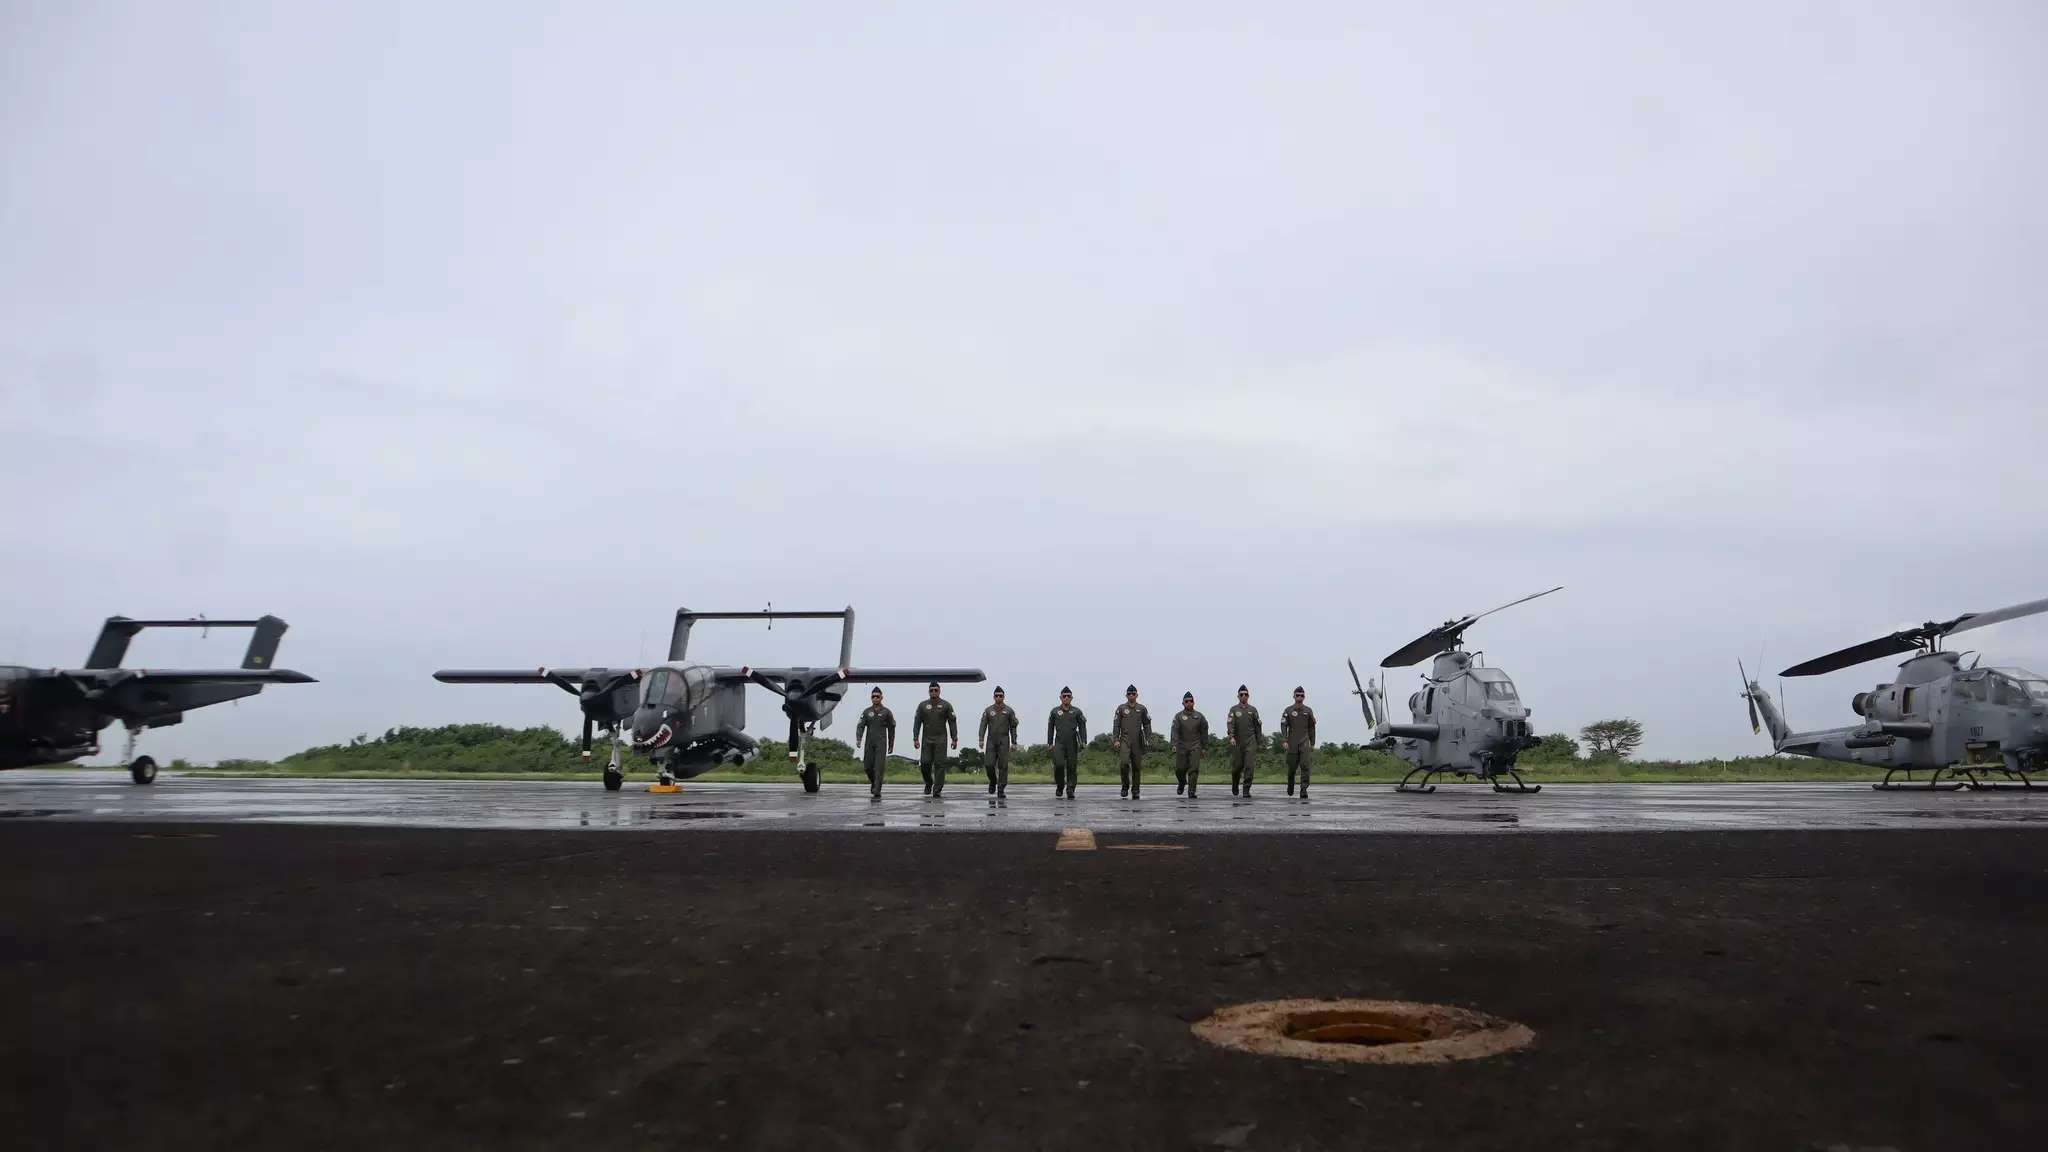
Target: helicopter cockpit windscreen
1498 686
2018 686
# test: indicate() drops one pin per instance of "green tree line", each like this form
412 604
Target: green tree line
480 748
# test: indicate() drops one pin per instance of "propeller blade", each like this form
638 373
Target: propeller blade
1749 694
1982 619
586 734
795 736
1892 645
818 685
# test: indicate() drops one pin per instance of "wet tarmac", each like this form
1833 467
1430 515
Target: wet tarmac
967 807
265 985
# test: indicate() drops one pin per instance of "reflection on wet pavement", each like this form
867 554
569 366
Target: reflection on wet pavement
96 795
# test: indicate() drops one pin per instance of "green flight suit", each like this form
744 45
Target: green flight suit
1131 729
1066 733
932 727
1298 728
1243 726
1190 735
875 735
997 736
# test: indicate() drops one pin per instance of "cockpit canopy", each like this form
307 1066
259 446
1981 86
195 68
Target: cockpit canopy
2012 686
675 687
1496 684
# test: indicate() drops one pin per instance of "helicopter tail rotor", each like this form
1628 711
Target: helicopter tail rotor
1749 694
1364 697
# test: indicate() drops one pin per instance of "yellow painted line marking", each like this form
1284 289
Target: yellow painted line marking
1147 847
664 789
1075 840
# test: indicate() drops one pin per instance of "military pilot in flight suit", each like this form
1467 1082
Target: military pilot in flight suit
1129 732
876 736
1190 735
1066 732
1246 733
1298 741
926 736
998 735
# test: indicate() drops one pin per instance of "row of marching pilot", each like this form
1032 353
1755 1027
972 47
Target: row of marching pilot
935 728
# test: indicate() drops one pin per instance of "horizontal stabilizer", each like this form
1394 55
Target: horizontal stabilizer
112 645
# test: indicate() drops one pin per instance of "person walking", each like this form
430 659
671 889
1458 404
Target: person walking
876 736
1129 732
1066 733
930 730
1189 733
1246 734
1298 740
997 736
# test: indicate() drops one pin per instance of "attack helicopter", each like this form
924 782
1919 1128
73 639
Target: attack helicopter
1936 716
690 717
1467 720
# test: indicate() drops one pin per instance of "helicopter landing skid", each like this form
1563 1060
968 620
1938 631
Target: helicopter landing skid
1934 782
1424 786
2026 782
1519 786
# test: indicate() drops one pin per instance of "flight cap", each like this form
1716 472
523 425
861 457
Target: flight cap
1066 691
935 684
1243 691
999 690
1187 696
1298 691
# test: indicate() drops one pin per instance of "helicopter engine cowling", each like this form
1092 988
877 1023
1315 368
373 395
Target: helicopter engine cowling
1859 703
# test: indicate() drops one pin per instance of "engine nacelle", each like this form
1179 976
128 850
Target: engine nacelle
1859 703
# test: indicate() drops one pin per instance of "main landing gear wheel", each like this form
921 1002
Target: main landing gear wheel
810 776
613 781
143 770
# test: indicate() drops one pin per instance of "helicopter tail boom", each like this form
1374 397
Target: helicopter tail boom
1774 721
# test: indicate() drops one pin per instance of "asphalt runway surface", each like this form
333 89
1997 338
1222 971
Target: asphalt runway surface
275 976
966 806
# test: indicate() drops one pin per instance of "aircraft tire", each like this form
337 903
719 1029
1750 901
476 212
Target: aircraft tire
143 771
810 777
613 781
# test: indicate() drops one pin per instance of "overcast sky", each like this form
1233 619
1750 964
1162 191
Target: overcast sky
1182 343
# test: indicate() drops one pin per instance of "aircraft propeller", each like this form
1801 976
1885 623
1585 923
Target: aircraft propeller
1749 694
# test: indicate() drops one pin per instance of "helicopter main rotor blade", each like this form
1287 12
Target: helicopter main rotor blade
1428 644
1446 637
1892 645
1512 603
1981 619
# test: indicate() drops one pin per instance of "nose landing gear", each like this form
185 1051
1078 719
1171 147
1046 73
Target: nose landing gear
807 772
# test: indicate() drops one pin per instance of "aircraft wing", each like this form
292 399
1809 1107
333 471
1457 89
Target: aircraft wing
107 677
522 675
861 675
